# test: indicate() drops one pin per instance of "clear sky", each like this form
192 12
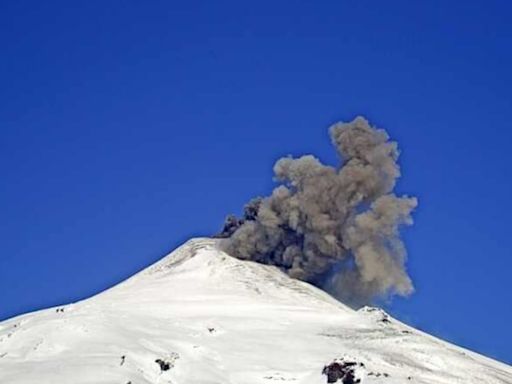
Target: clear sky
127 127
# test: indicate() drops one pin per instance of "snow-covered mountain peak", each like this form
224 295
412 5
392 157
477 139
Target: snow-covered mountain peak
198 267
200 316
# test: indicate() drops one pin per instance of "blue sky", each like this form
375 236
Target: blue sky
129 127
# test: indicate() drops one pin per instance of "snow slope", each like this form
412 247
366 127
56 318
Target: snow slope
209 318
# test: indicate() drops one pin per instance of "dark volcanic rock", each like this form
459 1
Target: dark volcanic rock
341 370
164 365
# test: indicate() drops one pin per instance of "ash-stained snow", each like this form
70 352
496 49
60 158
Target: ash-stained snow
200 316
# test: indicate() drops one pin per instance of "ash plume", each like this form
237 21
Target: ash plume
335 227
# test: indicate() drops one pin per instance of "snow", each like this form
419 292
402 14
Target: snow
212 319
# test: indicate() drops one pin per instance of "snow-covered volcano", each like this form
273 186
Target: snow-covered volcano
200 316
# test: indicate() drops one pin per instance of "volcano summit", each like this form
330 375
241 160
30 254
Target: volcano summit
201 316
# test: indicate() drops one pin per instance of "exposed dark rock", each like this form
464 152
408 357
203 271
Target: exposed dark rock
378 374
164 365
342 370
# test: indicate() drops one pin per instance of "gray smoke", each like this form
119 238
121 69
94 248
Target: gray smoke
334 227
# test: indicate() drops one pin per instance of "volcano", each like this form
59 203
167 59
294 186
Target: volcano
200 316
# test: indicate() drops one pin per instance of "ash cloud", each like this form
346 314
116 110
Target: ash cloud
335 227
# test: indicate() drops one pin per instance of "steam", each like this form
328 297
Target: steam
337 228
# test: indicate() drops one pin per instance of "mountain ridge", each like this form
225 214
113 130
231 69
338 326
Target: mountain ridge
199 315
